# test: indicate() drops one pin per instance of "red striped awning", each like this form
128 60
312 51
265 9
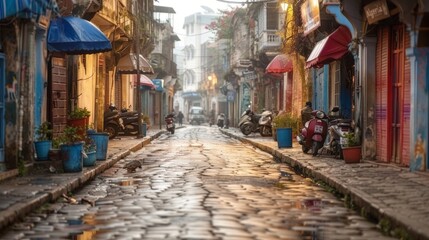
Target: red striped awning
145 81
331 48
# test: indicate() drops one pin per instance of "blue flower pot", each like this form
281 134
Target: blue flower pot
284 137
101 141
42 150
90 159
72 157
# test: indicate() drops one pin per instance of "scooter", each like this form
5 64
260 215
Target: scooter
249 122
112 122
314 133
338 128
169 121
265 124
127 124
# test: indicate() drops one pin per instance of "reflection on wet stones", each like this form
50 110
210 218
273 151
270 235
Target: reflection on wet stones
204 186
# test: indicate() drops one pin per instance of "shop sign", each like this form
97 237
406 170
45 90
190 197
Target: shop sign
249 76
159 84
310 15
376 11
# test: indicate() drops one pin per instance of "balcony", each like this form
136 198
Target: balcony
269 41
160 63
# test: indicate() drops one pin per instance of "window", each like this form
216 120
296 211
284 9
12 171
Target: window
272 16
335 84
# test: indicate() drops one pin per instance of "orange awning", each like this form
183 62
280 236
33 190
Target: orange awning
280 64
331 48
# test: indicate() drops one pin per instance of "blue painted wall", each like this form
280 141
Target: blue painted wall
2 100
420 109
39 80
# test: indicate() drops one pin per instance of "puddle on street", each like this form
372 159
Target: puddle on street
126 181
87 223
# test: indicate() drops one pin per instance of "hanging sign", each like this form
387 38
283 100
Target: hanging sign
376 11
310 15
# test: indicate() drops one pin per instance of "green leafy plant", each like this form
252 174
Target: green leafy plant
44 132
56 142
70 135
79 113
286 120
89 145
352 140
22 170
145 119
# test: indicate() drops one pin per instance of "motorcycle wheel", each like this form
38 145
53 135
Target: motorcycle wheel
172 130
304 149
246 129
131 129
265 131
336 149
112 130
315 148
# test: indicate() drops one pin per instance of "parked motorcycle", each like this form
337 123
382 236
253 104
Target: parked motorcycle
112 122
265 124
249 122
338 128
314 133
130 122
125 123
169 122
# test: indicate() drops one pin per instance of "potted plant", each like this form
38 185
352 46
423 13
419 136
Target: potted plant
89 147
71 148
146 120
43 141
79 118
352 150
284 124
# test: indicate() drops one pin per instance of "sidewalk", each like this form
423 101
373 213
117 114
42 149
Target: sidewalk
21 195
393 195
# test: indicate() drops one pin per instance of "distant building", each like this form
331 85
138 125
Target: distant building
192 73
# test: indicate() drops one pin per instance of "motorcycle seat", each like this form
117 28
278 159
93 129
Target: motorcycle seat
345 121
110 114
344 125
128 114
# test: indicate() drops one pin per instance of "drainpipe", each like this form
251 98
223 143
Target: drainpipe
137 52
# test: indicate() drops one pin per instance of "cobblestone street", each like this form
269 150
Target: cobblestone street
197 184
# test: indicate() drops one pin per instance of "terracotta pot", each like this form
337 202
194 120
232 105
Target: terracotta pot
81 124
352 154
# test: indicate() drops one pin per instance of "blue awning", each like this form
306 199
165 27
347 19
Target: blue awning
25 8
73 35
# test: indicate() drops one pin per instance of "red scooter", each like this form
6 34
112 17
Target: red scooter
314 133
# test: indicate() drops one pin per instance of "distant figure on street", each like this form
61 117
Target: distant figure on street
180 118
306 113
212 117
220 120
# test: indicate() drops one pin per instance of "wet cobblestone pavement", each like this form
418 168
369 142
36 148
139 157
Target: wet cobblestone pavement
197 184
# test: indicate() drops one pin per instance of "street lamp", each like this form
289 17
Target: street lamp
284 6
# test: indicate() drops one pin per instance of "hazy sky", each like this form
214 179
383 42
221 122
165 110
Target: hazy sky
185 8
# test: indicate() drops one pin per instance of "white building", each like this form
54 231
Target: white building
192 69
